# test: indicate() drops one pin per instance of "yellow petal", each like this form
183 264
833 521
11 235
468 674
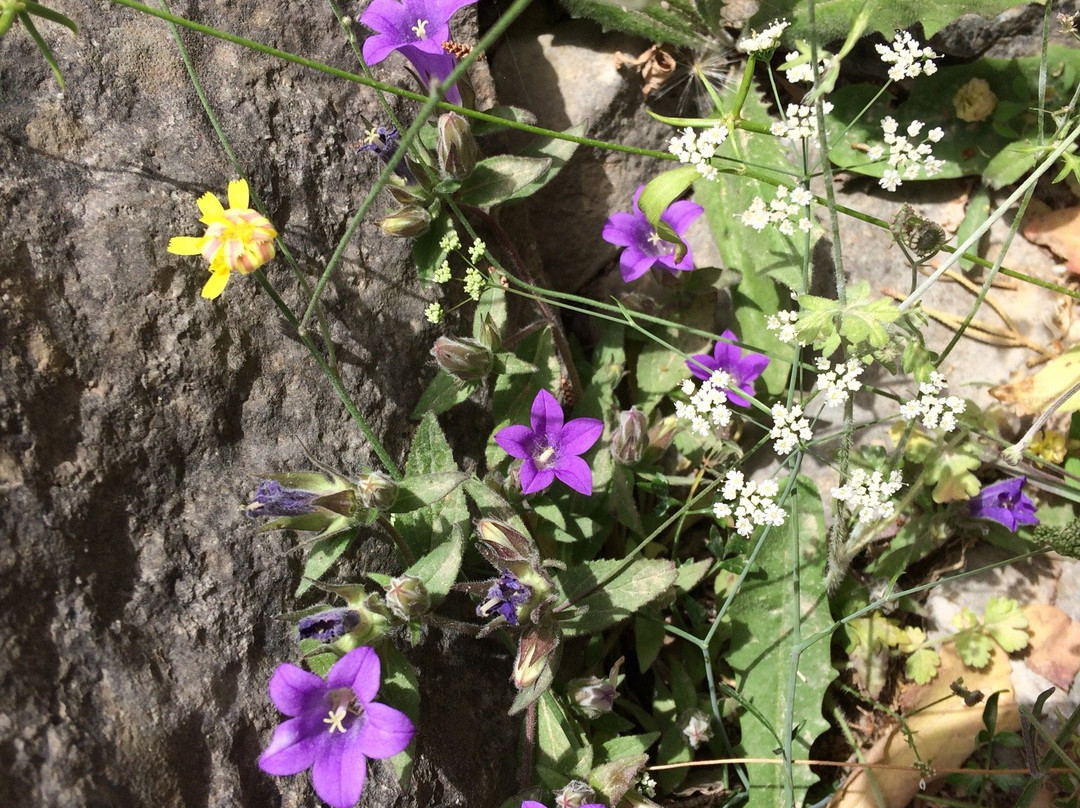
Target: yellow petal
238 194
186 245
211 208
215 285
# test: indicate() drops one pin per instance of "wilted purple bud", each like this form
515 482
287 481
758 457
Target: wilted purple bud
593 695
574 795
630 438
407 597
456 147
408 221
376 491
383 141
274 499
505 595
465 359
329 625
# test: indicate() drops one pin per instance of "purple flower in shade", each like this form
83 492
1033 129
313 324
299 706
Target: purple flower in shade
535 804
551 448
274 499
417 28
1005 503
504 596
334 726
644 247
728 357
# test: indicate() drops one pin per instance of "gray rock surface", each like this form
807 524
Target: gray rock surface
138 608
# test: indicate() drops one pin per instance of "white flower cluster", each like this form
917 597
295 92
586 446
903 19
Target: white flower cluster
443 273
789 428
477 250
869 495
838 383
805 72
474 283
906 160
783 325
708 404
750 504
933 409
434 313
800 121
450 242
907 57
766 40
789 207
697 149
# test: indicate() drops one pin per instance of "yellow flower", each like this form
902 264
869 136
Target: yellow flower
238 238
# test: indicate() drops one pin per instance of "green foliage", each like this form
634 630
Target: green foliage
678 22
1003 623
782 604
833 18
25 11
862 323
499 179
623 591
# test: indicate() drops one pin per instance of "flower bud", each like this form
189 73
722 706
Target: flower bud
376 491
273 499
630 438
407 597
502 544
595 696
465 359
574 795
505 596
409 221
534 657
456 147
662 433
974 101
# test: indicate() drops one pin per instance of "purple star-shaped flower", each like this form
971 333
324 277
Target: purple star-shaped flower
417 28
334 726
644 247
551 448
728 357
1005 503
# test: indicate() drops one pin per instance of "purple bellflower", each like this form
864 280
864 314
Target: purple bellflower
644 247
550 448
1005 503
504 596
274 499
744 368
416 28
334 726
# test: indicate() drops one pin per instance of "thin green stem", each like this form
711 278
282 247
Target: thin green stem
7 16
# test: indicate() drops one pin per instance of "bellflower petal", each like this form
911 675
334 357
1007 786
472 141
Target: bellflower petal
358 670
293 748
728 357
576 473
339 773
550 449
515 440
644 249
385 733
1004 502
292 689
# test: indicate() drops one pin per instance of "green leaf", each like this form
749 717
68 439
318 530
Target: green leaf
783 600
560 739
649 636
500 179
833 18
1006 623
657 197
862 323
640 582
1011 163
401 690
975 215
439 568
427 253
321 556
691 574
557 150
424 489
422 529
442 394
628 745
613 779
676 22
922 665
509 114
974 649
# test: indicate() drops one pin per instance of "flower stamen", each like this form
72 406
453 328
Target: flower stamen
420 29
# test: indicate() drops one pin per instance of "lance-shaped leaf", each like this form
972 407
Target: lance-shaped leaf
602 603
500 179
424 489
